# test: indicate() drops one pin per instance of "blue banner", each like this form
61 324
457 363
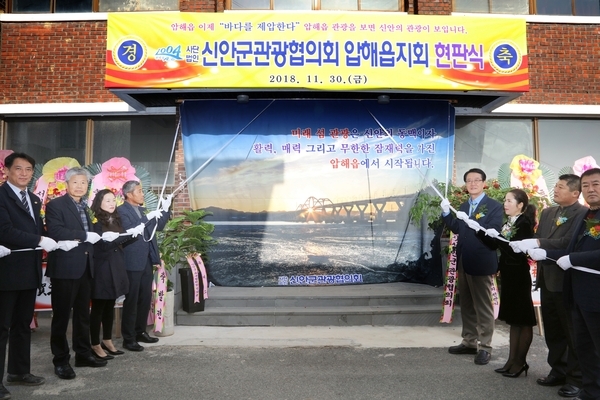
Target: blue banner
316 192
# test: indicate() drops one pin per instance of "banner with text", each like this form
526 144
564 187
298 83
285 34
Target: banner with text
309 192
328 51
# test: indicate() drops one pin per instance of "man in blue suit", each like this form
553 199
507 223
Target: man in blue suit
21 227
477 265
140 257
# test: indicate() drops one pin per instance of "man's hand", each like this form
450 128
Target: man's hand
137 230
48 244
445 204
564 262
537 254
67 245
109 236
473 225
462 216
165 203
4 251
154 214
492 233
92 237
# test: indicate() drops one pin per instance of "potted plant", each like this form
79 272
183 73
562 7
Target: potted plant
183 236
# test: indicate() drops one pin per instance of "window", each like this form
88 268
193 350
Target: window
539 7
582 134
75 6
487 143
351 5
145 141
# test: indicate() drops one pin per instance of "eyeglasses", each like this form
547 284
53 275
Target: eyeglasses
474 181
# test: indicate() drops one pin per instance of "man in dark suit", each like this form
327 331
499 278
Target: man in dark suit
477 265
554 231
21 227
140 257
70 273
582 287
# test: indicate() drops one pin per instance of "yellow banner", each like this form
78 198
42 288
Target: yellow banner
325 51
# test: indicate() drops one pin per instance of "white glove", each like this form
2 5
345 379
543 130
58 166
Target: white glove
4 251
473 225
67 245
564 262
527 244
537 254
492 233
166 202
462 216
154 214
92 237
516 247
48 244
109 236
137 230
445 204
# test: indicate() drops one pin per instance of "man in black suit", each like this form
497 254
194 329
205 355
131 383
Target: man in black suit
71 271
582 286
140 257
21 227
477 265
554 232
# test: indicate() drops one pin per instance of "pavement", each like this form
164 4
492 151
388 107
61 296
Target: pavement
355 362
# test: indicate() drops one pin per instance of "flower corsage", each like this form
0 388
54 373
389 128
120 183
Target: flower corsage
592 228
561 219
91 215
481 212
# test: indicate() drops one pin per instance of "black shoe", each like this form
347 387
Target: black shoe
25 379
569 390
551 380
462 349
524 368
64 371
482 357
502 370
4 393
90 361
132 346
99 357
145 338
109 351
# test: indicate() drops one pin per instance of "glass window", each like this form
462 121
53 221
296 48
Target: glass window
25 6
45 139
587 7
145 141
67 6
553 7
292 4
510 7
474 6
250 4
379 5
553 151
488 143
139 5
339 4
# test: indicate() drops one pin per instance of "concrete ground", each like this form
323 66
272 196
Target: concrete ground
358 362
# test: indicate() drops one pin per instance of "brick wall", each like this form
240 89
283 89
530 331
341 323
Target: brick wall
202 5
433 7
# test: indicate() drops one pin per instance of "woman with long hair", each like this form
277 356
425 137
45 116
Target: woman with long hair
110 278
516 305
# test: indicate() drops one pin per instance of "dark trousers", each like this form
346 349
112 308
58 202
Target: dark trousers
103 313
586 326
70 294
16 312
558 333
137 303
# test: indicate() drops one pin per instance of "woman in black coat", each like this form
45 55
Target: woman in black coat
516 305
110 278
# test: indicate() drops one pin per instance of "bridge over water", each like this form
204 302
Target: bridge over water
324 210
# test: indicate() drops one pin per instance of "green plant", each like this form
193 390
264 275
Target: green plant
184 235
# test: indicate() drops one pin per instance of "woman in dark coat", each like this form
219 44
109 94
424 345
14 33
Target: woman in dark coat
516 305
110 278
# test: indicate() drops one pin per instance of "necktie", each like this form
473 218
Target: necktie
24 201
472 210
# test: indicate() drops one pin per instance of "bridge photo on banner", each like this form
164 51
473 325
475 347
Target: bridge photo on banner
316 192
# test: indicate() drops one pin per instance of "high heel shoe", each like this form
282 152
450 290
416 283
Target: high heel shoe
502 370
518 373
109 351
99 357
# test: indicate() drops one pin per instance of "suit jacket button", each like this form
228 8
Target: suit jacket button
86 252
